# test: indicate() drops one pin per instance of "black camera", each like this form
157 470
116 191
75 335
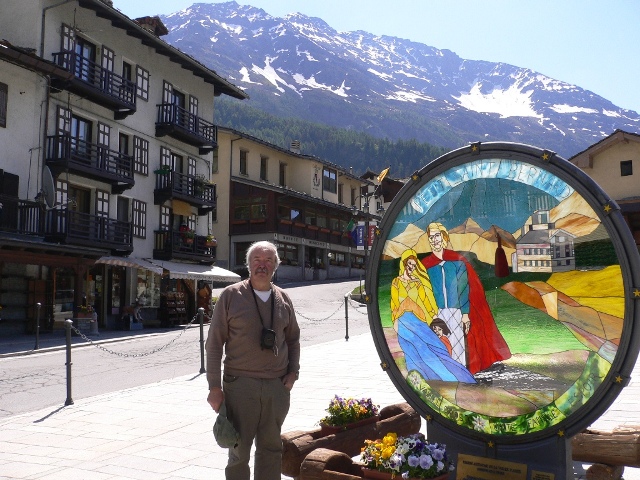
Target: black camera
267 339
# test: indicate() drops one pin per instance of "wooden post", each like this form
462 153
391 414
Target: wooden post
618 447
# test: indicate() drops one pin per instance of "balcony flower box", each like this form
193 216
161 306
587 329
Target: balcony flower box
210 241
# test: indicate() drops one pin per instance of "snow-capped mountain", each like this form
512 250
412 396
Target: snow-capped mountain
387 86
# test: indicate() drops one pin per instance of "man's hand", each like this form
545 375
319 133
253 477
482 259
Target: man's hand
215 398
289 379
466 323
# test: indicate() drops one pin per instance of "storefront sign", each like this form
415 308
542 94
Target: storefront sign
287 238
315 243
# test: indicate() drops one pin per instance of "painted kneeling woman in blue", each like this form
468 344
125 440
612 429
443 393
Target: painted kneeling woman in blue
412 310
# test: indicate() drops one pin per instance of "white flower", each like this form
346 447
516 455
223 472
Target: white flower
480 424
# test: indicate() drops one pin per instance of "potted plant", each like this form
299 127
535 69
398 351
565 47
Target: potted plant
188 236
163 170
410 457
210 241
85 311
199 183
347 413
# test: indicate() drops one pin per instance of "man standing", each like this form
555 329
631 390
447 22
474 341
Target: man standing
475 339
255 322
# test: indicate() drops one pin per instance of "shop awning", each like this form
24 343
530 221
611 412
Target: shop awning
130 262
198 272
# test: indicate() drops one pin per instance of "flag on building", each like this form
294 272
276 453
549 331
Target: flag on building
383 174
351 228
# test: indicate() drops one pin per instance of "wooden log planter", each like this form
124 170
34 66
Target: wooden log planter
609 452
400 418
325 464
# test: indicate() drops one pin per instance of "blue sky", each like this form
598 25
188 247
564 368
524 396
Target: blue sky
590 43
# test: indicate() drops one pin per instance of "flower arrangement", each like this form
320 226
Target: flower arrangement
85 308
406 457
343 411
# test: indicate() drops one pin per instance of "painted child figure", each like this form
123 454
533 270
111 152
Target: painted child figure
441 329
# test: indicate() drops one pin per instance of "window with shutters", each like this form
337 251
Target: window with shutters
139 217
142 83
140 155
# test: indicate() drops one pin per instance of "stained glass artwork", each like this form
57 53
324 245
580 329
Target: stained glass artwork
500 296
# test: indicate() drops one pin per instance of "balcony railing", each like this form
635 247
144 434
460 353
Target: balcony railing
77 228
23 217
96 83
90 160
178 123
170 245
295 229
190 189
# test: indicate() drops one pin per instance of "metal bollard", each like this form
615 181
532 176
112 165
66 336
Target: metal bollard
68 323
346 316
201 318
38 305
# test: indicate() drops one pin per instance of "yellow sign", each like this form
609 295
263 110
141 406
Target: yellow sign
480 468
536 475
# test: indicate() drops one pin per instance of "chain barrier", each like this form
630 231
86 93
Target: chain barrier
134 355
319 319
354 304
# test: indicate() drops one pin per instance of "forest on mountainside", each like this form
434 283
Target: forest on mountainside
347 148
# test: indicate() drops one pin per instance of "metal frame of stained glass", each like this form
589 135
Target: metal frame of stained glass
551 337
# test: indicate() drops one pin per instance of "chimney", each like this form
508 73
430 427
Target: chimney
152 25
295 146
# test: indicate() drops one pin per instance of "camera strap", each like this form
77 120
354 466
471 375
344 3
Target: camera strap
275 347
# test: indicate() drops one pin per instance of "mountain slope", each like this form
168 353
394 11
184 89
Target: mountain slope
387 86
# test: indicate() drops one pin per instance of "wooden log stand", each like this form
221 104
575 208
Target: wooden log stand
325 464
400 418
609 452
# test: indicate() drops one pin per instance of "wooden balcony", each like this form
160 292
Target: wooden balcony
311 232
98 162
170 245
24 217
178 123
196 192
77 228
96 83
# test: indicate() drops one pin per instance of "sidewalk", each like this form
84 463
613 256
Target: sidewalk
162 431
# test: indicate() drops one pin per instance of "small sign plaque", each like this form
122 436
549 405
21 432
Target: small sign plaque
480 468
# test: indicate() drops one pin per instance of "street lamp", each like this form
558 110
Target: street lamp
366 211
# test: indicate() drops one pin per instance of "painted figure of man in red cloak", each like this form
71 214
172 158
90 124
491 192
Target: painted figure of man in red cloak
459 294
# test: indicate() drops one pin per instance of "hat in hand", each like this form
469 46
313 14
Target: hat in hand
223 430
